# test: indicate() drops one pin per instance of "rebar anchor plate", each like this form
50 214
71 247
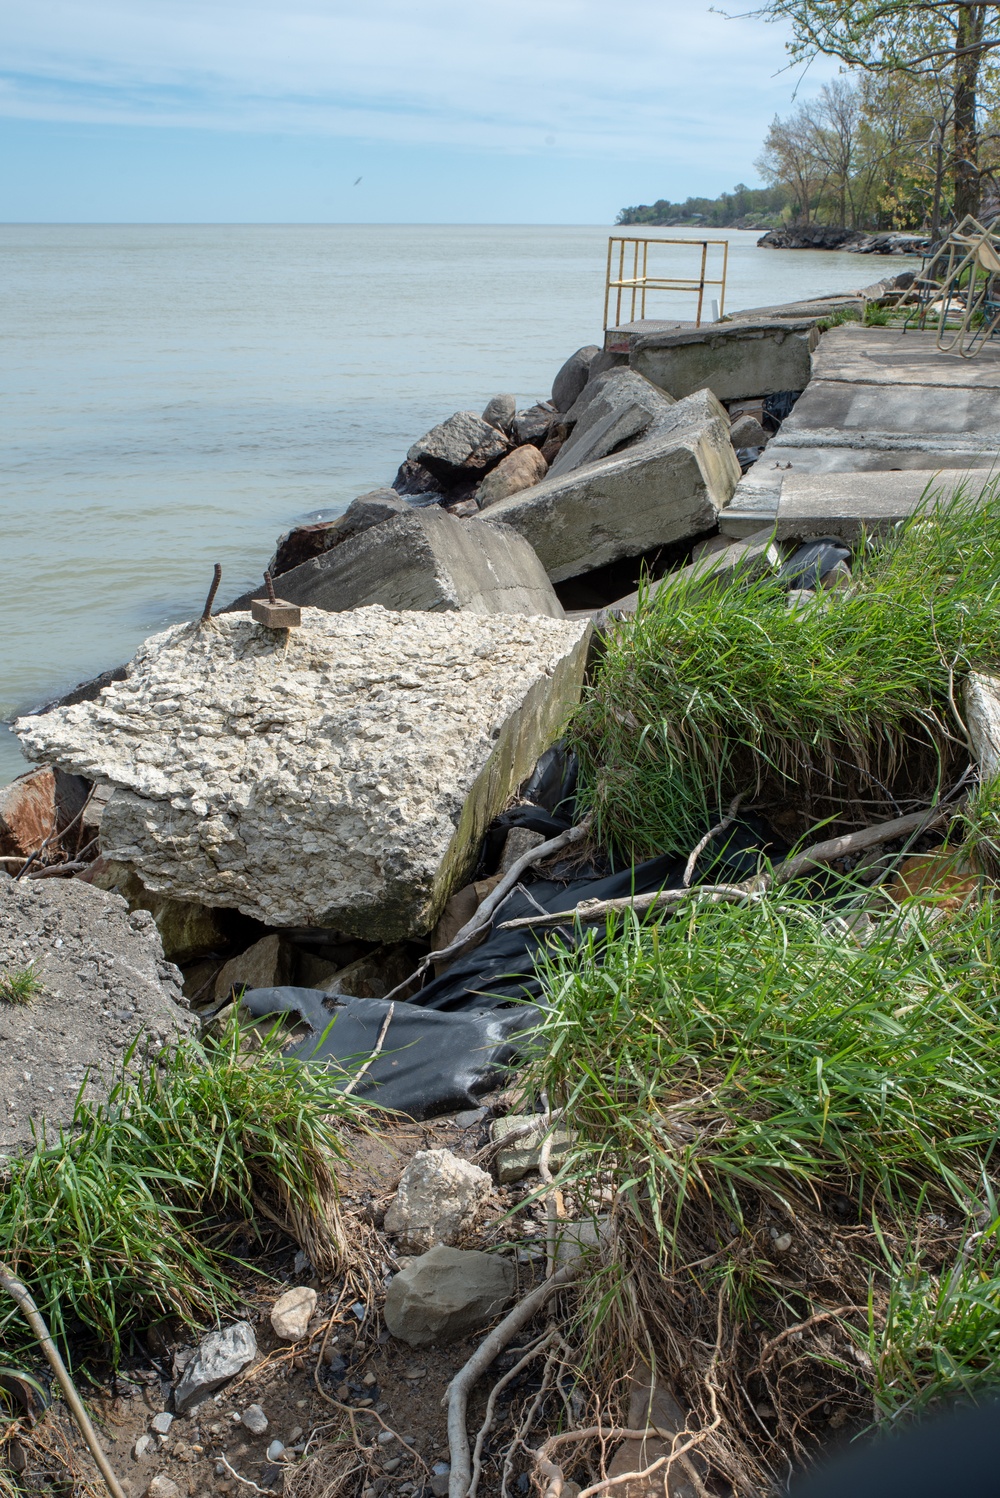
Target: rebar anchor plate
272 612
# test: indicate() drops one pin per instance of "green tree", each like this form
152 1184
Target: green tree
926 39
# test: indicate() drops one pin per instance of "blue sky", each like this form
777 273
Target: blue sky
530 111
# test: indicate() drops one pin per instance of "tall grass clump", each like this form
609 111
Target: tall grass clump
126 1217
848 701
777 1109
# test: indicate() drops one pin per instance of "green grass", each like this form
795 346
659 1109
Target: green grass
19 985
743 1065
706 693
126 1217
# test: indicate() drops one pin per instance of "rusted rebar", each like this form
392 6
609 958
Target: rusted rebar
269 585
206 612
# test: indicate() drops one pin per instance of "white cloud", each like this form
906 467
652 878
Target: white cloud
639 78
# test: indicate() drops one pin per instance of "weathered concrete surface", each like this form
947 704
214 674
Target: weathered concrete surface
103 984
862 446
306 541
733 360
668 485
425 559
611 412
342 776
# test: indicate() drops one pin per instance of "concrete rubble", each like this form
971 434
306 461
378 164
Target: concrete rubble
368 751
428 560
220 1356
438 1200
669 483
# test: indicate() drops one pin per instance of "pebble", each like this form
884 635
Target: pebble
275 1451
470 1117
440 1469
163 1487
161 1423
783 1244
294 1433
385 1436
415 1373
141 1447
369 1379
254 1419
391 1464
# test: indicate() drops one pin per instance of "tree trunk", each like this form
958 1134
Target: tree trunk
968 34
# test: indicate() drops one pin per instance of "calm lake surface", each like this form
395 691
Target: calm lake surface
177 396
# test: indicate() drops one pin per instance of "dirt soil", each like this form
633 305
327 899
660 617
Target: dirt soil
385 1385
102 981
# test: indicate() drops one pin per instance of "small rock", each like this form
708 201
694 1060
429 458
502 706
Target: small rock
386 1437
518 1158
746 431
470 1117
500 412
783 1243
446 1294
392 1464
439 1486
163 1487
275 1451
415 1373
520 840
369 1379
254 1419
439 1198
221 1356
291 1313
294 1433
441 1469
143 1445
161 1423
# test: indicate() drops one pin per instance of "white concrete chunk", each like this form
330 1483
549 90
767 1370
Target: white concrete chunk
341 776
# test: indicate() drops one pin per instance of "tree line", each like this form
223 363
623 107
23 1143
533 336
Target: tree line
908 137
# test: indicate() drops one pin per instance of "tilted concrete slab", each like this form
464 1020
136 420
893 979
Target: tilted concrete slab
669 485
424 559
923 414
734 360
340 777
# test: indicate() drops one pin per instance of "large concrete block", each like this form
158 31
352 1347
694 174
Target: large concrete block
670 484
341 776
734 360
426 559
613 411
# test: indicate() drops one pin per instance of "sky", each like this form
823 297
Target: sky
448 111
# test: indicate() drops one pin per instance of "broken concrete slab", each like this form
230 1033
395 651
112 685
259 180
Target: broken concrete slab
267 964
615 410
306 541
187 929
669 485
425 559
733 360
521 1156
340 777
885 356
103 985
802 505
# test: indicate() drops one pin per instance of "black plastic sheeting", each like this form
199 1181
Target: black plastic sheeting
454 1040
810 564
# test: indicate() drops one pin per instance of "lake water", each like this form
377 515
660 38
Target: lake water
176 396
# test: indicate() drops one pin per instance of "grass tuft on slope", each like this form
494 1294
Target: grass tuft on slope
846 702
125 1218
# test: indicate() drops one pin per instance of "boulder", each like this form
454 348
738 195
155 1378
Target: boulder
982 715
267 964
307 541
438 1200
734 360
220 1356
669 485
462 443
292 1313
612 413
418 483
341 777
570 380
427 559
500 412
519 470
534 424
447 1294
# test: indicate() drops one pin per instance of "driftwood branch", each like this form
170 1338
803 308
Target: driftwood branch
457 1393
592 911
478 924
713 832
378 1046
21 1295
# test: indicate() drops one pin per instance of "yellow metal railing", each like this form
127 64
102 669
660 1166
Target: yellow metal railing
636 285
